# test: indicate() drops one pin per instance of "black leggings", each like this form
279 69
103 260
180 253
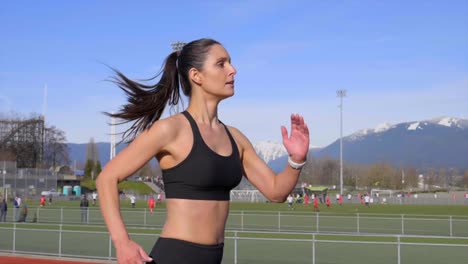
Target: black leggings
175 251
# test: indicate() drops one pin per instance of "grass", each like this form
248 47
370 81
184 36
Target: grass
390 209
136 187
459 210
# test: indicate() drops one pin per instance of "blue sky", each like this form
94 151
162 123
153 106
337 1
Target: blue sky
399 61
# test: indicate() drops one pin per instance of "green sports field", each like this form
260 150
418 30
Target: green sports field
265 233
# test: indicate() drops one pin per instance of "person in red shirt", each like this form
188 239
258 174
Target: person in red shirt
306 199
340 200
360 198
151 203
316 203
328 201
42 201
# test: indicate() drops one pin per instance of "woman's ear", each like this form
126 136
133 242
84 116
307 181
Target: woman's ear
195 76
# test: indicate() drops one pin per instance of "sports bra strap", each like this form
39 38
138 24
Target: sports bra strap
196 133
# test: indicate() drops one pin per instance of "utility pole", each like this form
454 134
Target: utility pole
341 94
112 143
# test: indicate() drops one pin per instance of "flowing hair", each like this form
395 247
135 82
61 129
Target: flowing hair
146 103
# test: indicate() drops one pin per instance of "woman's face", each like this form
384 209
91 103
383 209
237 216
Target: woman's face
217 75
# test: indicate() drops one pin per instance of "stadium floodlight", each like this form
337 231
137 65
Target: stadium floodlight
341 94
178 45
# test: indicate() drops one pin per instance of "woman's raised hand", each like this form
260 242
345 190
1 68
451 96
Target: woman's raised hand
297 143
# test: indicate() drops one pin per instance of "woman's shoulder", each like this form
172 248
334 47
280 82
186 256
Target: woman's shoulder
238 136
168 125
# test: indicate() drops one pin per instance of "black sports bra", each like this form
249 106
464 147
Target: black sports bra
204 174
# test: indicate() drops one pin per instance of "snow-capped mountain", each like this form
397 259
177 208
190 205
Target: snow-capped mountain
415 125
270 150
450 122
434 143
275 155
378 129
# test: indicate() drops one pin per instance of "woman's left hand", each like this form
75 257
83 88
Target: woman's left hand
297 144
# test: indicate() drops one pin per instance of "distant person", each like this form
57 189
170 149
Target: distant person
24 213
328 201
159 198
94 197
306 199
290 201
340 200
151 203
3 210
16 208
361 199
50 199
384 200
42 201
366 200
84 204
316 204
132 200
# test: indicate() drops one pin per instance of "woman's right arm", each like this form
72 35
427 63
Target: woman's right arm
126 163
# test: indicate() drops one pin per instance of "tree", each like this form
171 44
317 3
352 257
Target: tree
411 178
145 170
89 169
92 151
56 151
430 179
443 178
97 169
465 179
329 172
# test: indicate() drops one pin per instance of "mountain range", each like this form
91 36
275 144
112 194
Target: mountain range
435 143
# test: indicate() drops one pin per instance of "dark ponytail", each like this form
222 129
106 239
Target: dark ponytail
146 103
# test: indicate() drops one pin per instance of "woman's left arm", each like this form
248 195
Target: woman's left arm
276 187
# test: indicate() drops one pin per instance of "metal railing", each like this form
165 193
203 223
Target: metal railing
246 247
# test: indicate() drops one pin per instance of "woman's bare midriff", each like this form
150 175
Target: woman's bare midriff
197 221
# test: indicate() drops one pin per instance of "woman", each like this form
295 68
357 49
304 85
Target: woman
201 158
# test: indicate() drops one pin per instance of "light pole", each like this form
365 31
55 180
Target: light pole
341 94
112 144
402 179
5 193
4 172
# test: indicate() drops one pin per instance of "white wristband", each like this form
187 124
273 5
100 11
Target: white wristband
294 165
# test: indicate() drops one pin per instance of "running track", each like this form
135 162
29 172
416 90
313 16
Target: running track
42 260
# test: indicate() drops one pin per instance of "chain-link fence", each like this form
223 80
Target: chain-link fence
25 182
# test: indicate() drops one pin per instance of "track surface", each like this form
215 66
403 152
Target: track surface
42 260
